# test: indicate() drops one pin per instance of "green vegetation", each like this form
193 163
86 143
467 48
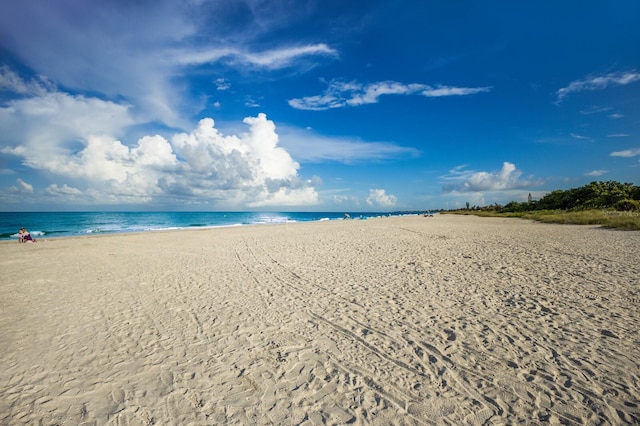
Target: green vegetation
609 204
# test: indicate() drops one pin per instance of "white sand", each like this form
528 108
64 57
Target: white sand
410 320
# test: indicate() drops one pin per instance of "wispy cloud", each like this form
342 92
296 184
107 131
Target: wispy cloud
342 94
222 84
595 173
269 59
142 54
12 82
619 135
598 83
283 57
306 146
594 109
626 153
580 137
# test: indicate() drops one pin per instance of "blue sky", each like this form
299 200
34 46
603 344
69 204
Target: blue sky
316 105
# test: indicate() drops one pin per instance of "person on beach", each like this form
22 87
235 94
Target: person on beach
25 237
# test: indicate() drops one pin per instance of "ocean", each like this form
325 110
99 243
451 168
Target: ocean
53 225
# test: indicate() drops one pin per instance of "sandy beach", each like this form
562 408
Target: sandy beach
402 320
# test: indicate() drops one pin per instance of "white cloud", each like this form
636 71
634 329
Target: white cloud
120 54
453 91
598 83
594 109
616 116
140 54
507 178
249 169
619 135
279 58
270 59
581 137
12 82
51 126
340 94
222 84
65 189
251 103
21 194
596 173
626 153
379 198
23 186
203 166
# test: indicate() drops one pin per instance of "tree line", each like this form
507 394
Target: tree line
596 195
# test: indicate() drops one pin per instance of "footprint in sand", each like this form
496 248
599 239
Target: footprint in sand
118 396
434 409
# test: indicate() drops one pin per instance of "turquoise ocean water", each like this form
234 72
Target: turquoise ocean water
52 225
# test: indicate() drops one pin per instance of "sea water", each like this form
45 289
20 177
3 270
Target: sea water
60 224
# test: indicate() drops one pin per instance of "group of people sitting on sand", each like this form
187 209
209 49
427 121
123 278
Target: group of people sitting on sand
25 237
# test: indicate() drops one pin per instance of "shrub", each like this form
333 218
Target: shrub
627 206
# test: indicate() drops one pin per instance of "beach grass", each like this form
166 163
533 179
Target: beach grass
629 221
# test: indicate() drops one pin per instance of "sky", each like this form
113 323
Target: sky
313 105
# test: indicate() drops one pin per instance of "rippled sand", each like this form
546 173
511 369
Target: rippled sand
403 320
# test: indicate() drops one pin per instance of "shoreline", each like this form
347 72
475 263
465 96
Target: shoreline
144 228
417 320
183 229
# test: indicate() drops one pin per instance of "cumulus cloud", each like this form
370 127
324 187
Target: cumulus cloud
79 140
626 153
507 178
598 83
342 94
203 166
379 198
249 169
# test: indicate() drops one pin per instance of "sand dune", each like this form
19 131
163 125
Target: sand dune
404 320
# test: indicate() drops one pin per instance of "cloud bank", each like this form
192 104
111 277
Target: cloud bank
203 167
